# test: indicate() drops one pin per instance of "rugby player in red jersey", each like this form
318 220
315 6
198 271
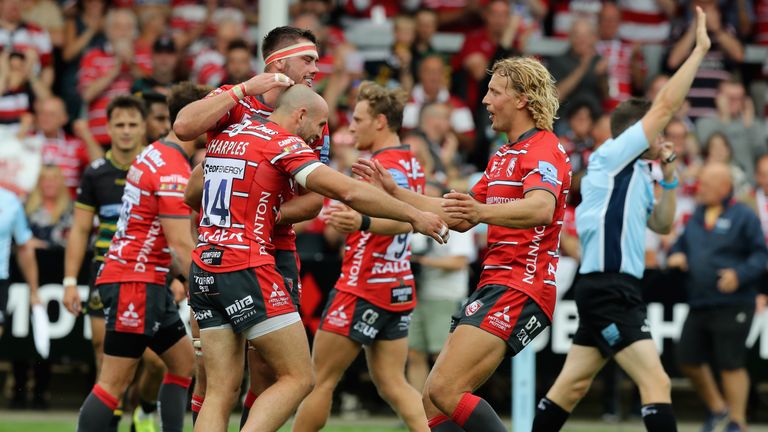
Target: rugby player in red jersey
291 57
521 197
139 309
236 292
373 299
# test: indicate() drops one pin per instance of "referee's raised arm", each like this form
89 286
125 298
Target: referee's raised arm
671 96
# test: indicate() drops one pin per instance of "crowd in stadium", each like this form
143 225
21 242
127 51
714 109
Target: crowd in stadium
63 62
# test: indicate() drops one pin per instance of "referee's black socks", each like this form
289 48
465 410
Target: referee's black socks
550 417
659 417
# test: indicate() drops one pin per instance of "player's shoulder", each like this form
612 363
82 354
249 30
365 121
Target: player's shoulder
8 197
95 166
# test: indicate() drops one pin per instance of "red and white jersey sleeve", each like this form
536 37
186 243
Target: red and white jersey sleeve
154 189
245 108
246 169
378 267
525 258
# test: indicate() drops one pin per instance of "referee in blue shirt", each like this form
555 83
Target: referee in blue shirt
617 205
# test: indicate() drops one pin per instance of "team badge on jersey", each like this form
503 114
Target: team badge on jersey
473 307
548 173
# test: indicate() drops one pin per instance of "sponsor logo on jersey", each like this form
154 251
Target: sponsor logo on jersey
548 173
240 307
203 315
402 294
472 308
146 248
172 187
500 320
134 174
278 298
129 317
212 256
511 166
337 318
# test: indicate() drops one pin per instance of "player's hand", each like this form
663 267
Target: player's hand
702 38
34 298
262 83
728 282
461 206
72 300
343 219
678 260
431 225
761 301
375 173
178 290
668 168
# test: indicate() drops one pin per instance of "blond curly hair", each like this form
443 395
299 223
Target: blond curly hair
527 76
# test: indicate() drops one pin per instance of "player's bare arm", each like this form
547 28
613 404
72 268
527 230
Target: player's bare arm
199 117
674 92
346 220
663 215
176 231
82 223
300 208
536 209
375 173
193 193
369 200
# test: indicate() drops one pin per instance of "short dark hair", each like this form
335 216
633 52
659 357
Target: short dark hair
151 97
381 100
280 37
238 44
126 101
183 94
581 104
627 114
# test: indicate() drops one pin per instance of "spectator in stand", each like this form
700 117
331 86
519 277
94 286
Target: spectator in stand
83 30
19 88
208 63
333 49
111 69
49 209
442 283
601 132
158 116
472 62
580 73
153 23
736 119
432 87
165 60
434 135
626 65
646 21
566 12
577 140
237 63
718 149
655 84
47 15
70 154
365 8
426 27
727 52
396 70
759 200
724 255
16 35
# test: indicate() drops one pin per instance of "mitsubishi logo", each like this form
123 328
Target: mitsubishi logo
131 313
276 291
503 314
339 312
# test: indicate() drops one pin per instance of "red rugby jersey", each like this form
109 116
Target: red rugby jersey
246 170
154 189
378 267
525 259
284 237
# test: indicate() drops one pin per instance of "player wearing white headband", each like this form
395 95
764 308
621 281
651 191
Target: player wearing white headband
290 55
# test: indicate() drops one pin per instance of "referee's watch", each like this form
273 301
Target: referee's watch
669 186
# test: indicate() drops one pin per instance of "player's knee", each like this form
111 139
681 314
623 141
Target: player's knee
439 393
577 390
389 389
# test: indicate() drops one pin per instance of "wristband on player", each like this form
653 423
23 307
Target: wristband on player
669 186
69 280
181 278
278 217
365 223
237 92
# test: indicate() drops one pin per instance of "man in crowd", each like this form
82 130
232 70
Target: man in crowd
158 117
724 255
372 301
139 308
612 315
521 196
237 293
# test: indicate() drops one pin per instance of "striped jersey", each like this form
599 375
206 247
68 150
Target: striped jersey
525 259
378 267
101 192
617 200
